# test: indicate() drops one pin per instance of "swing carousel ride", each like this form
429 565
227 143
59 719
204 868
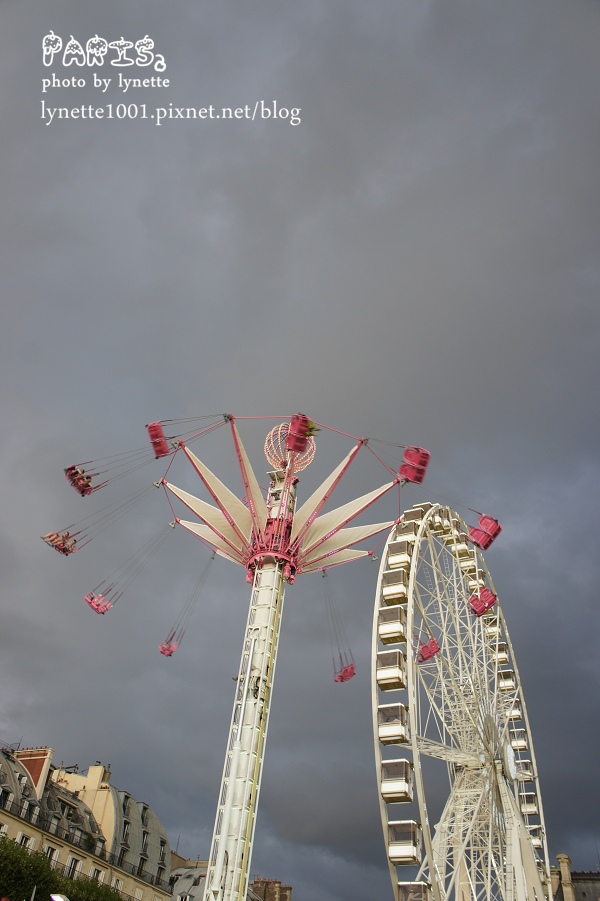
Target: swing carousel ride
444 680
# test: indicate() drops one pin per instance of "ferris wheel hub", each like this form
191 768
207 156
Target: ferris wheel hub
509 763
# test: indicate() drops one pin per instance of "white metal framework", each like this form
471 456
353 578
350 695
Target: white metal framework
450 723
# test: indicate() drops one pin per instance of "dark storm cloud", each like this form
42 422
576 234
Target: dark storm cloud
416 261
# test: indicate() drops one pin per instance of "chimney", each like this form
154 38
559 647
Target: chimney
564 862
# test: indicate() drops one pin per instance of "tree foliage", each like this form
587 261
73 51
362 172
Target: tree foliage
21 871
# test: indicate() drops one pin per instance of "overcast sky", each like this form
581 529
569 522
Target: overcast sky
415 260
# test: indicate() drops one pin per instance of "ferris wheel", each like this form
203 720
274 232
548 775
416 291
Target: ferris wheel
459 792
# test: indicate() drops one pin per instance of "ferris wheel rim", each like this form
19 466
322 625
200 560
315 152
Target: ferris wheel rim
451 748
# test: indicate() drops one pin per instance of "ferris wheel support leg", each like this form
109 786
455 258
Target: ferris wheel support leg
231 848
522 875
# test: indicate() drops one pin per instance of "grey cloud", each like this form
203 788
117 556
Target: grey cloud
416 261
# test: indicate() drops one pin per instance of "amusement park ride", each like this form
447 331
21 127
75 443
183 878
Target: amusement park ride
445 685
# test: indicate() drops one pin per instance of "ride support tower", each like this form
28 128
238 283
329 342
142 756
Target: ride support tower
235 822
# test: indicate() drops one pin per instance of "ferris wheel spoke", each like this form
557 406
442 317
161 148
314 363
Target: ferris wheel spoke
446 616
449 698
437 714
443 752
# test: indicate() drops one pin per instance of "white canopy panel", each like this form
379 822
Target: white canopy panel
345 556
314 504
255 497
214 518
344 538
331 522
225 498
207 534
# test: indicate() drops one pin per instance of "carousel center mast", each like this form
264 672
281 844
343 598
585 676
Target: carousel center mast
274 543
227 874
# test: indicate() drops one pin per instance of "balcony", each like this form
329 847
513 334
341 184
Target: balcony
65 870
85 841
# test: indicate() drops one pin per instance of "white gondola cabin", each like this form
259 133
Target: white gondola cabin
518 740
394 586
391 670
529 804
396 781
407 531
414 891
476 582
514 711
535 834
451 528
461 549
468 564
404 842
499 653
524 771
491 628
392 724
400 554
392 624
446 519
418 512
436 522
456 540
506 680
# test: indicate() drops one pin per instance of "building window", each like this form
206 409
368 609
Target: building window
73 867
139 894
53 827
52 855
67 810
163 850
122 856
30 811
160 875
6 797
140 867
126 826
96 874
117 883
144 814
126 804
25 840
145 836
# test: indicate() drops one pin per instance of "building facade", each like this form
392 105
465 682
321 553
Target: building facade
134 835
47 809
188 878
570 886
